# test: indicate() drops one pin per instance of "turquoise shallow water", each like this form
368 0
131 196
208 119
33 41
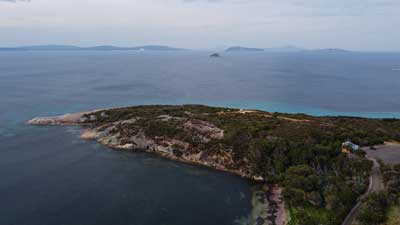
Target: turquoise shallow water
287 108
50 176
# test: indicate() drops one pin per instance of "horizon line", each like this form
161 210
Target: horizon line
131 47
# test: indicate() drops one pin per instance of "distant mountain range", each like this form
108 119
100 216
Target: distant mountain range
94 48
279 49
285 49
288 48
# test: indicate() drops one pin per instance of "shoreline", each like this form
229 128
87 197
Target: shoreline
79 119
180 160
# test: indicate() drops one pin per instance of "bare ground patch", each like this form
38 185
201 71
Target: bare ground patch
389 152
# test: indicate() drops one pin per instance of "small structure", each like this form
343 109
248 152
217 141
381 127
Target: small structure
349 146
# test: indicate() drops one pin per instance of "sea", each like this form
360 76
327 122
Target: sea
48 176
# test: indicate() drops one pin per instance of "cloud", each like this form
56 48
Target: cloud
315 8
353 24
202 1
15 1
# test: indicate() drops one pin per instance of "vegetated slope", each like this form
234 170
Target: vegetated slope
299 152
383 207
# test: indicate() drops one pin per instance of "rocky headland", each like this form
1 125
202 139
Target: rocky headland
292 156
135 134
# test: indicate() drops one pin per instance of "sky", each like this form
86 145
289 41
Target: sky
368 25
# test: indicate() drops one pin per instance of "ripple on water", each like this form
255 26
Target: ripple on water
6 134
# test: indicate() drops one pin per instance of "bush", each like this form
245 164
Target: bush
374 209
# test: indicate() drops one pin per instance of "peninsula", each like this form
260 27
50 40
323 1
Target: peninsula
298 158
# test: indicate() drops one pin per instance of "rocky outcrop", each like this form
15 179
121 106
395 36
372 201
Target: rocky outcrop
129 135
67 119
205 130
114 136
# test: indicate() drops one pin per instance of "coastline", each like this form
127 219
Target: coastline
268 206
80 119
267 202
281 107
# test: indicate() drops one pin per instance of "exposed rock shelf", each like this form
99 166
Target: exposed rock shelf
130 134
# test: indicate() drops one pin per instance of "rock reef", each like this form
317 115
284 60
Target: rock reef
67 119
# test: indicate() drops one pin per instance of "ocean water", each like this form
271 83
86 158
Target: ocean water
50 176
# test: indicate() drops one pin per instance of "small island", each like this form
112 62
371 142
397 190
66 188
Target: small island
243 49
311 170
215 55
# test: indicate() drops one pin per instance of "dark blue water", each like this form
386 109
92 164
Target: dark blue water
50 176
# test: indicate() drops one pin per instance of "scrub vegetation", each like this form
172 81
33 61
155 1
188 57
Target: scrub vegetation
299 152
383 207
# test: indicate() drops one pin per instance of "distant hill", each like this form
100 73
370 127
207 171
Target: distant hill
277 49
163 48
288 48
43 47
157 48
330 50
94 48
243 49
106 48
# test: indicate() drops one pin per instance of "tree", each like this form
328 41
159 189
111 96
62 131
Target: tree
296 197
306 219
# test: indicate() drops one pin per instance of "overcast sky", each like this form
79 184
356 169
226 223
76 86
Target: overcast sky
351 24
